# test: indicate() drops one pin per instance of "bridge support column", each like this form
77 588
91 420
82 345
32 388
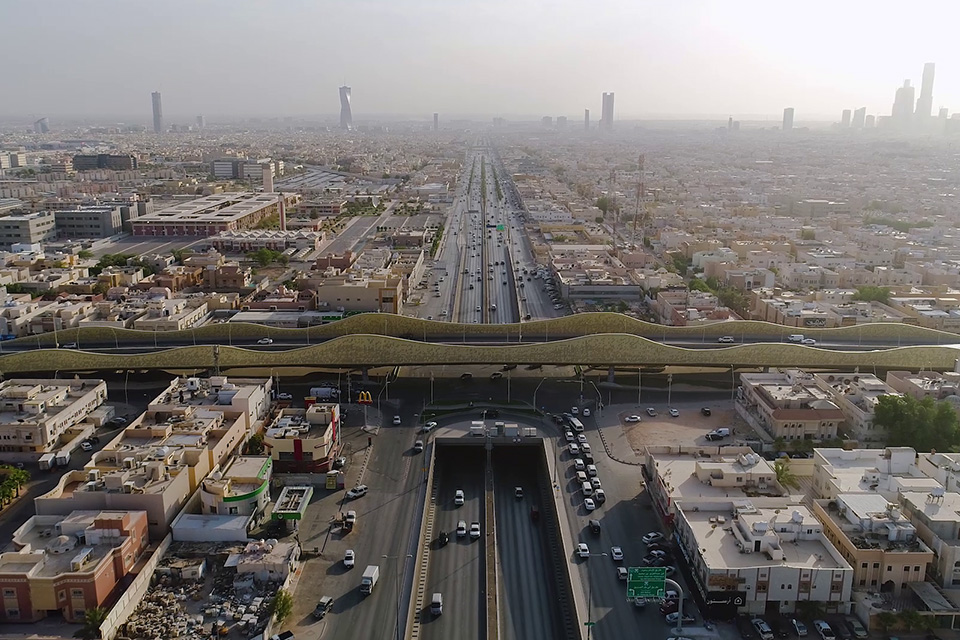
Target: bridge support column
611 374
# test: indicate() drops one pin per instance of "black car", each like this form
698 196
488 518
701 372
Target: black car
325 604
595 527
443 539
705 411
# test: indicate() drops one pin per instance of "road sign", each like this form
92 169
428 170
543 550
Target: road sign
499 227
646 582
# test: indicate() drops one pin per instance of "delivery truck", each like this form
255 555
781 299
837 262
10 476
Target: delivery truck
48 461
369 580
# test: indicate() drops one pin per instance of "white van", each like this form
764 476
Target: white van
436 604
796 337
587 488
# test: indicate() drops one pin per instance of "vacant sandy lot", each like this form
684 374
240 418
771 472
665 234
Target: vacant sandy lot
688 429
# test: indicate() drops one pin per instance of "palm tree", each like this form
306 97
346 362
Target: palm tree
785 475
92 620
19 477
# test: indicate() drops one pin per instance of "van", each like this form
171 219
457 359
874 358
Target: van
587 488
436 604
582 478
795 337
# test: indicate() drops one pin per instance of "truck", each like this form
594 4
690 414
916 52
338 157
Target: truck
369 580
63 458
477 428
511 430
48 461
795 337
324 394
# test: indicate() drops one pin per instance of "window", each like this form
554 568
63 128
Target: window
876 565
835 587
916 568
9 593
863 565
889 568
761 587
62 595
863 583
76 593
234 511
13 613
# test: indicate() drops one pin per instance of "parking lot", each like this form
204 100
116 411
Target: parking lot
688 428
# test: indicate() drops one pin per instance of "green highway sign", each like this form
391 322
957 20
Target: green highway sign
499 227
646 582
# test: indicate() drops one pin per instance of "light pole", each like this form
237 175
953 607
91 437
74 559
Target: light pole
669 388
399 595
535 393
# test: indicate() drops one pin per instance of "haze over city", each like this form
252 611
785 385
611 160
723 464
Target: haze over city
472 59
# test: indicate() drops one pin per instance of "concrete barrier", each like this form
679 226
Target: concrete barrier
421 562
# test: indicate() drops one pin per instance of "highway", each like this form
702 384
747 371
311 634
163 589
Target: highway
455 570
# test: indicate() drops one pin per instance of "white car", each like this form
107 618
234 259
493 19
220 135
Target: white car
674 413
589 504
824 630
397 421
653 536
358 491
726 339
575 410
458 497
86 446
583 550
651 412
595 483
616 553
586 412
349 559
428 427
574 449
461 529
632 419
808 341
284 396
265 341
569 436
585 448
474 530
581 438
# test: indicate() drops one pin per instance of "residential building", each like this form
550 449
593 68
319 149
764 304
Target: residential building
886 471
936 515
37 416
27 228
105 161
243 489
788 405
172 314
932 384
305 440
89 222
70 563
857 395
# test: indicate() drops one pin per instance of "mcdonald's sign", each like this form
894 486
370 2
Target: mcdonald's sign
365 398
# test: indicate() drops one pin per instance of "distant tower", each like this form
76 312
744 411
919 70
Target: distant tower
606 112
925 101
586 119
943 113
346 115
859 117
788 119
730 123
201 122
41 126
267 178
157 113
436 122
902 112
561 122
869 121
282 212
845 119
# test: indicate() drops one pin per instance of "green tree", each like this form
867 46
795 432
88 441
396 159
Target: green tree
18 478
872 294
696 284
735 299
92 619
6 493
713 283
254 446
785 475
922 424
84 254
603 203
885 619
177 254
281 606
910 619
680 264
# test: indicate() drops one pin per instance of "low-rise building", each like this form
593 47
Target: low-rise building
212 214
788 405
926 384
28 228
243 489
70 563
857 395
36 415
305 440
172 315
936 515
884 471
88 222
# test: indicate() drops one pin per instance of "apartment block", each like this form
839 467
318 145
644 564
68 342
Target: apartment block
172 315
70 564
242 489
926 384
88 222
936 515
27 228
788 405
886 472
36 415
305 440
857 395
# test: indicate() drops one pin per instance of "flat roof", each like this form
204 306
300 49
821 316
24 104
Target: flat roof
219 207
211 522
679 471
945 508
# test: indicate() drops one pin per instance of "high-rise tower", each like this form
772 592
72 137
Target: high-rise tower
606 112
586 119
436 121
859 118
902 112
925 101
788 119
845 119
157 113
346 115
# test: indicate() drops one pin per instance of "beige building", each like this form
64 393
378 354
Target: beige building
936 516
857 395
887 472
357 293
37 415
305 440
172 315
243 489
788 405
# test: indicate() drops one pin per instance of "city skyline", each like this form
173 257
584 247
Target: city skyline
677 77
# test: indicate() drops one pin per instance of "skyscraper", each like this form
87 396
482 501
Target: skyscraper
925 101
41 126
859 117
346 115
586 119
436 121
157 113
561 122
869 122
606 112
902 112
845 119
201 122
788 119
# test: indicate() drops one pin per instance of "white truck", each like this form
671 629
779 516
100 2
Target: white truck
63 458
369 580
48 461
795 337
323 394
477 428
511 430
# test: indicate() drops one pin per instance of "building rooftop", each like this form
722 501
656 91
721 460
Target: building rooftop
682 474
220 207
870 522
944 507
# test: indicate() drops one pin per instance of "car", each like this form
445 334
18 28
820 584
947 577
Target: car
856 628
518 493
826 633
429 426
119 421
581 438
632 419
595 483
651 412
461 529
674 413
668 607
726 339
599 496
418 446
474 530
594 526
718 434
579 465
616 553
325 604
575 411
443 539
705 411
622 573
585 448
284 396
589 504
670 570
358 491
349 559
458 497
86 446
658 546
397 421
466 376
574 449
496 375
583 550
672 618
569 436
70 345
265 341
535 513
763 629
656 553
591 470
799 628
653 536
808 341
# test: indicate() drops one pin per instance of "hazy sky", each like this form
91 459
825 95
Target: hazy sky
663 58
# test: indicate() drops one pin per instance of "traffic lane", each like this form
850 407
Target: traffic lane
385 523
455 570
528 599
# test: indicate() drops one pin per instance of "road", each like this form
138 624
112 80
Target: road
456 570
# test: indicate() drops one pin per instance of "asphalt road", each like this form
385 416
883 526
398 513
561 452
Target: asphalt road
456 570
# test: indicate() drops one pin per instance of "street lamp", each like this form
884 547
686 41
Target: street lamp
399 595
535 393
